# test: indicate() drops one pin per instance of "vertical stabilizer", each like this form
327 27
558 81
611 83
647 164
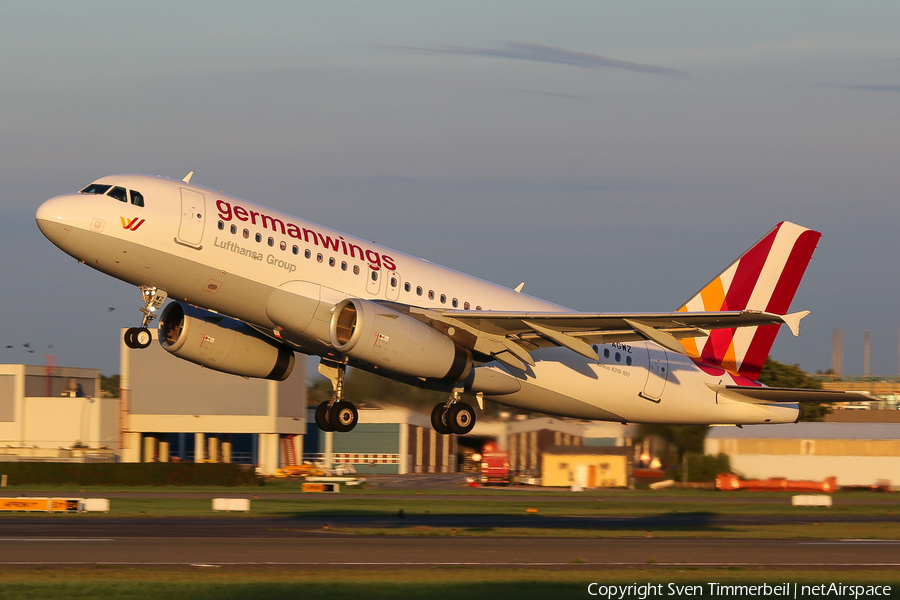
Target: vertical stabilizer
764 278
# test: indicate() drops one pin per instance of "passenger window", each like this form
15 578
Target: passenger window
356 269
431 294
221 225
283 245
271 242
118 193
606 353
331 262
466 306
258 237
343 265
307 254
234 229
455 303
319 257
419 290
95 188
374 275
137 198
443 298
296 250
628 360
618 357
246 234
393 282
406 286
477 308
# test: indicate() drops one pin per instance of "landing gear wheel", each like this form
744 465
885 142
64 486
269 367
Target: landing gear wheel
138 337
438 423
343 416
141 337
460 418
322 417
129 337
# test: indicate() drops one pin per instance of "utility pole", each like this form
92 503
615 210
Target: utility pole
837 352
866 342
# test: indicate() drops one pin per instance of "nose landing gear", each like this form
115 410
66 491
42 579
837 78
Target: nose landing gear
140 337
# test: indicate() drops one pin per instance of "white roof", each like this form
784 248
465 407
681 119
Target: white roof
810 431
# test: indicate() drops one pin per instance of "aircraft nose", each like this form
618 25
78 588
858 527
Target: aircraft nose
50 219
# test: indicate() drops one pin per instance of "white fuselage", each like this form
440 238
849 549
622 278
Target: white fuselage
233 257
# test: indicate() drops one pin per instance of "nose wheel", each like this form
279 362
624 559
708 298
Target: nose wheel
140 337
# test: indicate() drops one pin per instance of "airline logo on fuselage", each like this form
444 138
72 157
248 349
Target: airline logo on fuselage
133 224
376 260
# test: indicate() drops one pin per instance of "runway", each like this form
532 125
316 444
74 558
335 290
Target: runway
284 543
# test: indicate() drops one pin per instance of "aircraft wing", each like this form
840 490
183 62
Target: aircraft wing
510 336
759 395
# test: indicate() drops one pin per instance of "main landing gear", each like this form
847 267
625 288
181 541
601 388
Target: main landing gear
453 416
139 337
336 414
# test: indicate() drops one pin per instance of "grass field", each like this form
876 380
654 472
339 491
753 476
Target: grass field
455 583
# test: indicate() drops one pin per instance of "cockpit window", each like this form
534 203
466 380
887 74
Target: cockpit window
118 193
137 198
95 188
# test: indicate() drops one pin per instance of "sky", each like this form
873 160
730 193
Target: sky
614 156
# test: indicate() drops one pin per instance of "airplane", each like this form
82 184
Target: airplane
250 286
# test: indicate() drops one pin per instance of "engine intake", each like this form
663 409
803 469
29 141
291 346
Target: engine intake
222 344
392 340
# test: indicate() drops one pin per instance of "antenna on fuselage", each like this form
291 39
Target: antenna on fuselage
187 178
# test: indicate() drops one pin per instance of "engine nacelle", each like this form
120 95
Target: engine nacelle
383 337
222 344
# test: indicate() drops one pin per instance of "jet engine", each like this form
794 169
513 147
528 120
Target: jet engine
222 344
392 340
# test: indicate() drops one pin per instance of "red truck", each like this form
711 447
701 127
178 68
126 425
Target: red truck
494 465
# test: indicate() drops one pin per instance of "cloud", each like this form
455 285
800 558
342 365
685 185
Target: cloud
549 54
864 88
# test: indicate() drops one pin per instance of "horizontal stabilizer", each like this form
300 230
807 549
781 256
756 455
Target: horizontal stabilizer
793 321
757 395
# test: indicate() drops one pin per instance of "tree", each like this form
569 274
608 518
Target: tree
776 374
684 438
109 386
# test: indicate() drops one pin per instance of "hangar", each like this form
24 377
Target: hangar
168 402
855 453
56 413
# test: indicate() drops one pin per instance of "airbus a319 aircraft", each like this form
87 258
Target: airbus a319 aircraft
250 286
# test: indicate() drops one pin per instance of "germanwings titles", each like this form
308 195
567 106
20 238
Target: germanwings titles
247 287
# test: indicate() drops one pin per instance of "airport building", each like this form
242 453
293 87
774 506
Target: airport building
175 410
385 440
857 454
56 413
400 440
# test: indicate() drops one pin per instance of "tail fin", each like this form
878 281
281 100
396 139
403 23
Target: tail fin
764 278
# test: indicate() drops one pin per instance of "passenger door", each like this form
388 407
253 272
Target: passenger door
193 212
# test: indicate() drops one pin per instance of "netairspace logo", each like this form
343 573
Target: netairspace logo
721 590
